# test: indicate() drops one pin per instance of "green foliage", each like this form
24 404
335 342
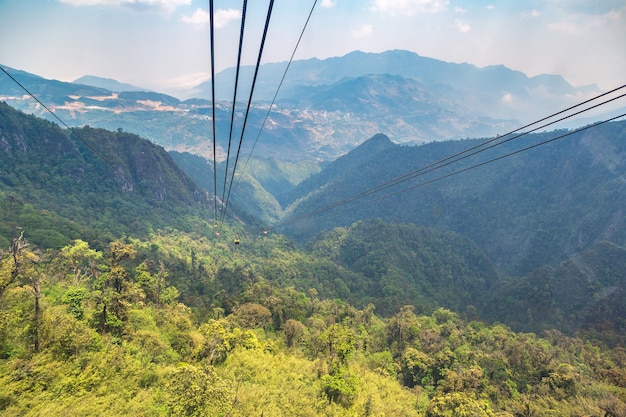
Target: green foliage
74 298
57 188
340 386
294 332
114 291
457 404
67 336
277 350
197 392
80 260
169 322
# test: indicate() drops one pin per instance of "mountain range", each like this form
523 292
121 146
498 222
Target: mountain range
379 282
324 108
536 241
530 209
525 210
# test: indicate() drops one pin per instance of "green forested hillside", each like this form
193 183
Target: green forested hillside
116 298
586 292
407 264
95 179
535 208
258 187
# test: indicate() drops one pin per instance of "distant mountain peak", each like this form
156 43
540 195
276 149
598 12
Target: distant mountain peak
107 83
372 146
377 142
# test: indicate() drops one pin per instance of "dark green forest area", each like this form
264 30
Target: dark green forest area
118 298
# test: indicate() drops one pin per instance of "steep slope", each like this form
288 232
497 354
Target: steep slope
584 293
531 209
256 188
109 180
361 155
409 265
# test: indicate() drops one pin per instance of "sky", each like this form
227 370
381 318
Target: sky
163 45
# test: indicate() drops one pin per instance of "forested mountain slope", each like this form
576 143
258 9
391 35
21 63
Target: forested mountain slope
58 189
87 332
409 265
587 293
528 210
111 181
116 299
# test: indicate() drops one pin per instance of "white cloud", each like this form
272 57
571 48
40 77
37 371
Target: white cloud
461 26
188 80
532 13
328 3
490 7
362 32
138 5
460 10
199 17
221 17
409 7
224 16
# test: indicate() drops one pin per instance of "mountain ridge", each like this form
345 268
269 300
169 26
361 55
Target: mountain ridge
107 83
574 172
325 107
95 178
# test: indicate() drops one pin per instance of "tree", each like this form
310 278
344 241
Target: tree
80 260
217 341
416 368
198 392
113 290
402 329
294 332
65 335
21 262
252 315
340 386
10 270
338 341
35 282
459 404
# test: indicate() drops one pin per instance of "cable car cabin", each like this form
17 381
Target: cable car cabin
236 241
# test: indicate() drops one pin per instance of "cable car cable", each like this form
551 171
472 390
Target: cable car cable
70 130
440 163
245 120
269 110
211 24
232 115
317 214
